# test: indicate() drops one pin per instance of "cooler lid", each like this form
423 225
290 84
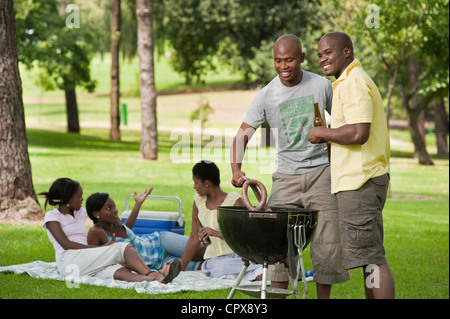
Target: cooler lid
157 215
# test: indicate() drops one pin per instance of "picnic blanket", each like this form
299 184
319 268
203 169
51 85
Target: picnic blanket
185 281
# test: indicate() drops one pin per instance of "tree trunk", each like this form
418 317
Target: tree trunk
73 122
267 138
421 125
440 127
420 149
413 109
149 134
16 183
114 133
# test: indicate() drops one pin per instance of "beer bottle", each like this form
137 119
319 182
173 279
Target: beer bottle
318 119
329 148
205 242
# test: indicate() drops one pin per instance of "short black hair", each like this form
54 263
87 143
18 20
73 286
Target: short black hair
207 170
343 40
94 203
61 191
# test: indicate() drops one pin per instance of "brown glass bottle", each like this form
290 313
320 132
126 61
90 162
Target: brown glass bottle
205 242
318 119
329 148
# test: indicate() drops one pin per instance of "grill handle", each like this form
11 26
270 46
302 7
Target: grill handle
263 215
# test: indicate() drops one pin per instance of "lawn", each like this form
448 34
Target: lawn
416 214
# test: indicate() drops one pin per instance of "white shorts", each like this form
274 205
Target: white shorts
101 261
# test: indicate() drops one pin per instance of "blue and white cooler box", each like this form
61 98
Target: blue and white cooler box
150 221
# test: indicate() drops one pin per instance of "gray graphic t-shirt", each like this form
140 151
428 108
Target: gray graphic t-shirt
290 113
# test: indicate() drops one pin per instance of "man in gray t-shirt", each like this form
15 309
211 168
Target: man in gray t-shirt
302 175
290 110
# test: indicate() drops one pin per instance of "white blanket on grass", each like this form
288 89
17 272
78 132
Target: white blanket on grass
185 281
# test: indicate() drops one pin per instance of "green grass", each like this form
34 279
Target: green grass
416 215
100 165
166 79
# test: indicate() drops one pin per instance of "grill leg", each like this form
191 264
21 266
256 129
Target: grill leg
293 282
238 281
302 271
300 242
264 280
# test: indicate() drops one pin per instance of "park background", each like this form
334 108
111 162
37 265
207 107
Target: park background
210 70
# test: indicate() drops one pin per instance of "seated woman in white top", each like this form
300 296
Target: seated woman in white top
66 229
220 260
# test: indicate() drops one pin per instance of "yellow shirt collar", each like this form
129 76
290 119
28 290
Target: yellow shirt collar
353 64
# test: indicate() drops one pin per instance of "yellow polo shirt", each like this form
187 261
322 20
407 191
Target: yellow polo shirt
356 99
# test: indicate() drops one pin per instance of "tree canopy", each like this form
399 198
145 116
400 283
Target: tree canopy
235 31
402 44
61 53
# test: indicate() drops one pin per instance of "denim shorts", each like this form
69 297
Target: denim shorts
361 223
174 245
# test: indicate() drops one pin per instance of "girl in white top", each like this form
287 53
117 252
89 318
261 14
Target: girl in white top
220 260
66 229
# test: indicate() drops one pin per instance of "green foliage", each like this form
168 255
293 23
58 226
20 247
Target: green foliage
236 30
193 40
412 29
96 16
61 53
202 112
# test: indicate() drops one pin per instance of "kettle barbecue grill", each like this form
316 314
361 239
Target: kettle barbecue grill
265 237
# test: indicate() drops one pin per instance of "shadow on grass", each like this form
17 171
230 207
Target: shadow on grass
404 154
409 154
88 143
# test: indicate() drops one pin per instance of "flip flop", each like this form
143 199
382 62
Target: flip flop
174 270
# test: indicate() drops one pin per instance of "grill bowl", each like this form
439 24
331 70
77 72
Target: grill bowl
261 236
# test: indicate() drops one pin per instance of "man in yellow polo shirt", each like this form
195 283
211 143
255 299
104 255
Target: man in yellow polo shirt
359 156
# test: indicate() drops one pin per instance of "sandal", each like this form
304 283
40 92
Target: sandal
174 270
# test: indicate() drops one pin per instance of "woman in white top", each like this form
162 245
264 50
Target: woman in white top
220 260
66 229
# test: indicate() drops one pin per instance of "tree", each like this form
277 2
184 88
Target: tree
114 23
412 43
237 31
149 133
96 15
60 51
193 39
114 132
16 183
441 127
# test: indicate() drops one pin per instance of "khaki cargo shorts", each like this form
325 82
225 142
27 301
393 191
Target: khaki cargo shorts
312 190
361 223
